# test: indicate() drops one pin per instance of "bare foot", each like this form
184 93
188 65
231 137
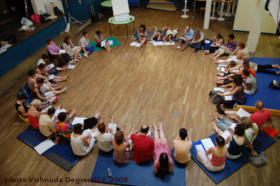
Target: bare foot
68 111
72 113
215 128
155 127
112 119
97 115
161 123
102 120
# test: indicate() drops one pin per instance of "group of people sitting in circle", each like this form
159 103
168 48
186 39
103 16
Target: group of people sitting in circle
144 145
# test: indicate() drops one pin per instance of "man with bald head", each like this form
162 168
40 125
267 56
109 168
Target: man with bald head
261 115
143 145
185 40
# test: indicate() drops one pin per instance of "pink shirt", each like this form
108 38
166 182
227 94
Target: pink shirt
260 117
162 148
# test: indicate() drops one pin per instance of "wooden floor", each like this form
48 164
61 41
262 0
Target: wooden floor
137 85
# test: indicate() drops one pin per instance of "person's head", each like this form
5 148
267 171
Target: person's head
247 122
119 137
259 105
36 103
197 34
78 128
239 130
85 34
62 116
183 133
241 45
187 28
51 111
246 72
101 127
246 58
246 65
238 80
67 39
163 161
142 28
45 57
231 37
41 66
219 36
232 64
49 41
98 32
220 141
31 73
22 97
40 82
144 129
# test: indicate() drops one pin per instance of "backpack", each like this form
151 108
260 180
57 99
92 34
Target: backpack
215 98
274 85
259 160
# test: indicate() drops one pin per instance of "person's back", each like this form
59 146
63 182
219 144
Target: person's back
46 125
260 117
236 145
250 133
182 145
143 148
219 156
253 84
105 141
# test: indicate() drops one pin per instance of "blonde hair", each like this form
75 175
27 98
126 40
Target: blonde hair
247 122
36 102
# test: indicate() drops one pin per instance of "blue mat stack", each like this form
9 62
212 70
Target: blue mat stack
62 155
134 174
262 142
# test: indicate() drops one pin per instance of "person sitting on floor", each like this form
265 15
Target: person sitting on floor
105 137
245 65
157 35
197 41
82 141
62 128
41 69
99 39
46 123
143 145
49 68
182 145
170 34
163 162
84 43
71 49
225 49
47 90
185 40
237 93
122 148
240 52
235 141
53 49
21 107
250 82
217 42
219 154
251 132
142 34
226 77
33 114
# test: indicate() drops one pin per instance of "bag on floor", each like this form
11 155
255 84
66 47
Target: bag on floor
35 18
274 85
43 17
259 160
215 98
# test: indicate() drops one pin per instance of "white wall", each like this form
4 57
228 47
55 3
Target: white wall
40 5
245 14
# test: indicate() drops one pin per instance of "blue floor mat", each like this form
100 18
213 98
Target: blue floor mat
262 142
207 45
270 97
133 174
62 155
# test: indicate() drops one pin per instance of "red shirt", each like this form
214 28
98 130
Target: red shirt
260 117
143 148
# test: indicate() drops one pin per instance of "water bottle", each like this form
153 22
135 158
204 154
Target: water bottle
109 172
235 106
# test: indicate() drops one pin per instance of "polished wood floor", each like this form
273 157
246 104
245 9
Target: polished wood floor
137 85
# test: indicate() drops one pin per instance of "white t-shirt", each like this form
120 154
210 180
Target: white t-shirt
84 42
40 61
250 131
105 141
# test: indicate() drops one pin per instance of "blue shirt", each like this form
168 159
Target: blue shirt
189 33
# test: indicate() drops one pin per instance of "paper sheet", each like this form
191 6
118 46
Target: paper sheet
221 60
222 69
243 113
168 43
45 145
133 44
157 43
228 98
226 134
51 77
236 70
207 143
219 89
50 66
62 51
57 111
71 66
75 48
199 148
113 126
78 120
207 41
